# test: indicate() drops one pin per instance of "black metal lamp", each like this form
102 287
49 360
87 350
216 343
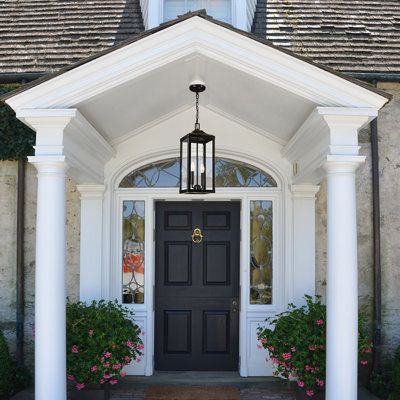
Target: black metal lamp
197 158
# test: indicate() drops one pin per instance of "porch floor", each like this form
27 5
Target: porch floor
251 388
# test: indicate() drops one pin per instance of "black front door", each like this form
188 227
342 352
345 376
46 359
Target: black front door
197 286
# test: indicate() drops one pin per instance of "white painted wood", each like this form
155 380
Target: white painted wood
50 282
50 288
90 274
342 286
67 132
303 241
196 36
327 131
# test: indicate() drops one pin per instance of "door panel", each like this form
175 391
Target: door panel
196 326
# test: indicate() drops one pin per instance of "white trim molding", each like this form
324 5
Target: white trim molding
185 38
327 132
66 132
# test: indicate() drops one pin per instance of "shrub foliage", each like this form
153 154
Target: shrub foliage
101 339
16 139
296 344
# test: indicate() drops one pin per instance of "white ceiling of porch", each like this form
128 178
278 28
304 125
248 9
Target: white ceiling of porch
164 91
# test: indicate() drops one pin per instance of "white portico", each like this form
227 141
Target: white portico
127 108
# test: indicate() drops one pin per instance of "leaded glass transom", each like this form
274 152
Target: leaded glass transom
228 173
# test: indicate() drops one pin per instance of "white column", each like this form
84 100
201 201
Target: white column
342 286
303 241
50 292
91 242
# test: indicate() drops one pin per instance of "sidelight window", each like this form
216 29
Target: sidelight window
133 257
261 230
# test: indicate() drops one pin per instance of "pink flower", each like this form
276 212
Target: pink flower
300 384
113 381
102 359
319 322
293 349
138 360
127 359
122 373
364 362
140 346
320 382
274 360
264 340
310 393
130 344
116 366
90 332
94 368
259 346
74 348
107 354
271 348
106 365
367 350
70 377
312 347
106 376
101 381
287 356
80 386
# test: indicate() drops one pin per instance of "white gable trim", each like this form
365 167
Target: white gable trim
196 35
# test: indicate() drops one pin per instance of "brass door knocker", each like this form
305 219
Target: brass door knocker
197 237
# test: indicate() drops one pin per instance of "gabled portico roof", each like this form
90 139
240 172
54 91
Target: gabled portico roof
142 82
201 14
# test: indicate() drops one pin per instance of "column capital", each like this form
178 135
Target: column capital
304 191
49 164
342 164
90 191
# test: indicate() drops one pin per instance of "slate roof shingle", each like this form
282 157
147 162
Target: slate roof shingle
38 36
349 36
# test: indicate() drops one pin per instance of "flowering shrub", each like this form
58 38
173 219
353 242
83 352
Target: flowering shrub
296 345
101 340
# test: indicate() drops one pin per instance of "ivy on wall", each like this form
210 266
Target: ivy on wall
16 139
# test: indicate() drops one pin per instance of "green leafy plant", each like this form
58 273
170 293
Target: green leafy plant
16 139
395 377
101 339
12 377
296 344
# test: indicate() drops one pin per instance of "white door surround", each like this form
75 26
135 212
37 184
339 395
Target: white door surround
296 120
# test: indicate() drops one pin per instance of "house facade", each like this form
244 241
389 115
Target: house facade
292 210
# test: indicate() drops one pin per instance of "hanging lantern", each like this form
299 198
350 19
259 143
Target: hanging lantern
197 157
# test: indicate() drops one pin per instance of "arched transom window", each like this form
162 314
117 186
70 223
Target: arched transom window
228 173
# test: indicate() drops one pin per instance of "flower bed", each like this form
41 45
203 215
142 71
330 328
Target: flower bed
101 339
296 345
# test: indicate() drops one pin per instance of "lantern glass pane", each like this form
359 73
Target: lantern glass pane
209 166
184 170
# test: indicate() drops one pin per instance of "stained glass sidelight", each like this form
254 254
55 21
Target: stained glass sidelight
228 173
133 229
260 252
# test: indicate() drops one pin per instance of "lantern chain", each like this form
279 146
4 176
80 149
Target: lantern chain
197 124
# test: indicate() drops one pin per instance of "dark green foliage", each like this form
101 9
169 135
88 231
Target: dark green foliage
16 139
12 378
380 382
395 394
101 339
296 344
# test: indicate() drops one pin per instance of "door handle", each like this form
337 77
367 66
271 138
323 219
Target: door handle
197 236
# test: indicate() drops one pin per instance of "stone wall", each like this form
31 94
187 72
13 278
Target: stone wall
389 171
8 204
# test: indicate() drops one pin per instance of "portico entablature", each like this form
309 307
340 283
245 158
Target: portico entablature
329 134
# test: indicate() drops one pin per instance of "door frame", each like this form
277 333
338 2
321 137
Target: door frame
249 314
